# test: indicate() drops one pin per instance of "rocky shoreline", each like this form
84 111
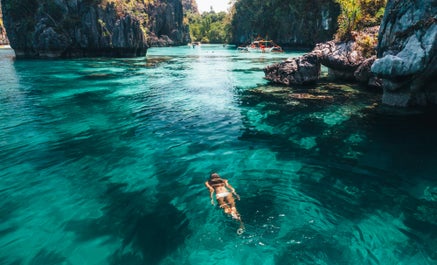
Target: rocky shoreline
405 65
345 61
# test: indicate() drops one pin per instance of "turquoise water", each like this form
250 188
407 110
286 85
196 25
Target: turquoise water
103 162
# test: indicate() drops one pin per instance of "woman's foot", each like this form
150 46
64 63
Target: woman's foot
235 215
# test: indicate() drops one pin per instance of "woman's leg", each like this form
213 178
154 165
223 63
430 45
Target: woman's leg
233 210
221 202
230 200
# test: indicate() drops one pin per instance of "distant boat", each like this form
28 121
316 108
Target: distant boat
194 44
262 46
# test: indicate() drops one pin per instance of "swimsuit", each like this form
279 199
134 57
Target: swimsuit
222 194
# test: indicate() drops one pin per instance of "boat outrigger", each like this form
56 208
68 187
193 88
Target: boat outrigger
261 46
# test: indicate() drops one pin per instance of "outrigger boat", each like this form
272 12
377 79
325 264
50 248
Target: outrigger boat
261 46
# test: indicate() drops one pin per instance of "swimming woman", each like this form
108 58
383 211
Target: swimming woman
224 194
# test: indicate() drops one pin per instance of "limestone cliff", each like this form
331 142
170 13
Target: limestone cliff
3 38
64 28
288 23
165 25
76 28
407 48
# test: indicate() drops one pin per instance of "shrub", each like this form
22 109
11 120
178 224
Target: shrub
356 15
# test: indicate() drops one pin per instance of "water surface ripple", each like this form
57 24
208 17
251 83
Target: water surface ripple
104 160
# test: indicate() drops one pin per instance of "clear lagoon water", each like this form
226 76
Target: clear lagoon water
103 161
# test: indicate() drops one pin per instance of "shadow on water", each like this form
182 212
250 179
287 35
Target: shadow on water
148 231
343 138
43 257
47 258
8 210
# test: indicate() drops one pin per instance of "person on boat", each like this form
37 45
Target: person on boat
224 195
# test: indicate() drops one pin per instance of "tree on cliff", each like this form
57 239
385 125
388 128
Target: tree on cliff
357 14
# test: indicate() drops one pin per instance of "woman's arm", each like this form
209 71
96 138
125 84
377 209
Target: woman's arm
211 192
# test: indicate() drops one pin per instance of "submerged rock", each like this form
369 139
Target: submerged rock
407 50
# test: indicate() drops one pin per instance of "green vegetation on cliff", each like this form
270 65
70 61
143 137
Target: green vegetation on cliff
358 14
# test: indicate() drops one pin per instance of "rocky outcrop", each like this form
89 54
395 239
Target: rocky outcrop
298 71
407 48
3 38
165 25
76 28
344 60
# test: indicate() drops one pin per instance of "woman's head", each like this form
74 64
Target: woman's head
214 176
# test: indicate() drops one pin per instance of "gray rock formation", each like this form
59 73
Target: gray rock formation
294 23
407 48
76 28
165 23
298 71
344 60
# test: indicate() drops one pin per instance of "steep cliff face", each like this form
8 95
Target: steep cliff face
3 38
165 26
64 28
407 48
289 23
75 28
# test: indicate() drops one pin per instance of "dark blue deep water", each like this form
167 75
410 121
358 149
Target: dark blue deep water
103 162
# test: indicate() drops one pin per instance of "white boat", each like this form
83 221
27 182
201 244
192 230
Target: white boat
194 44
262 46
